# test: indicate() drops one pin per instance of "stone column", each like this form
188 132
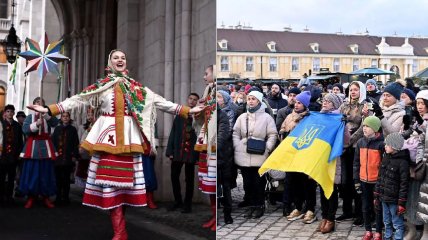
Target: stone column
186 18
74 63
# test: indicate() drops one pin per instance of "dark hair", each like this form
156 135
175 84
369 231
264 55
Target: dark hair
37 99
9 107
69 115
194 94
20 114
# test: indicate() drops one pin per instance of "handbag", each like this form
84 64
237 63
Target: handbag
418 171
255 146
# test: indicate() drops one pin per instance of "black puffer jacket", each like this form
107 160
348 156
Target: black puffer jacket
393 181
224 148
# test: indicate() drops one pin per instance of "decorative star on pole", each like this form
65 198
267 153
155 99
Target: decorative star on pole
43 59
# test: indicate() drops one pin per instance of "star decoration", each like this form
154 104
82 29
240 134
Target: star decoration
43 59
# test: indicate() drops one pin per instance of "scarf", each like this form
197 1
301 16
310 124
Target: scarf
134 93
253 109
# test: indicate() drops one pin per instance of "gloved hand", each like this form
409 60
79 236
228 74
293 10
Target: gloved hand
407 120
401 210
377 110
418 118
357 186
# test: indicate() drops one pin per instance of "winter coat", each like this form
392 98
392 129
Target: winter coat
354 117
374 96
281 116
260 126
230 111
291 121
392 118
12 142
66 142
181 141
276 103
422 154
224 149
368 156
393 181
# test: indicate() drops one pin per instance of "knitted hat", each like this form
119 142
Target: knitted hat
294 90
257 95
304 98
226 96
395 140
339 86
372 81
394 89
422 94
410 93
333 98
372 122
329 87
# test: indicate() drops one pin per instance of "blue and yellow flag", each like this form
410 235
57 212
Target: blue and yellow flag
311 148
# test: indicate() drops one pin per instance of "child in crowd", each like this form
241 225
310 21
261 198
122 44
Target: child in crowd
368 156
392 185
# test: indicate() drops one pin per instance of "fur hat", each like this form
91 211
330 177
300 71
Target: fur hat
304 98
372 122
395 140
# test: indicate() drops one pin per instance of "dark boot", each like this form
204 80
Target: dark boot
227 216
258 212
118 221
249 212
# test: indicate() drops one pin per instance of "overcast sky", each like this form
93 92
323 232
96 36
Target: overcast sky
379 17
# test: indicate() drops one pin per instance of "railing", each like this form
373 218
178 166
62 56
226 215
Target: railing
4 24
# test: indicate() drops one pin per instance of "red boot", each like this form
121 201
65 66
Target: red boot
212 223
29 203
48 203
118 221
150 203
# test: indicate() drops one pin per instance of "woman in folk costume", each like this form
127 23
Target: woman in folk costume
38 175
121 138
206 146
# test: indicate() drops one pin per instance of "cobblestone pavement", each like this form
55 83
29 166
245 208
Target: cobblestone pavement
274 226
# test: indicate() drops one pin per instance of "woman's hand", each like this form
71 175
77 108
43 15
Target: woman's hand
197 109
365 110
37 108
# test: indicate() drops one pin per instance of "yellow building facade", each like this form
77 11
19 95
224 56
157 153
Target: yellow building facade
265 62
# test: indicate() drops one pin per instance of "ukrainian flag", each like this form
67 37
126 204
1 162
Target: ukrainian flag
311 148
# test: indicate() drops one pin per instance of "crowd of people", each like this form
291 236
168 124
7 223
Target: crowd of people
380 176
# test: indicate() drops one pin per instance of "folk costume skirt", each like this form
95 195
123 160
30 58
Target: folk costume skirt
115 180
207 172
